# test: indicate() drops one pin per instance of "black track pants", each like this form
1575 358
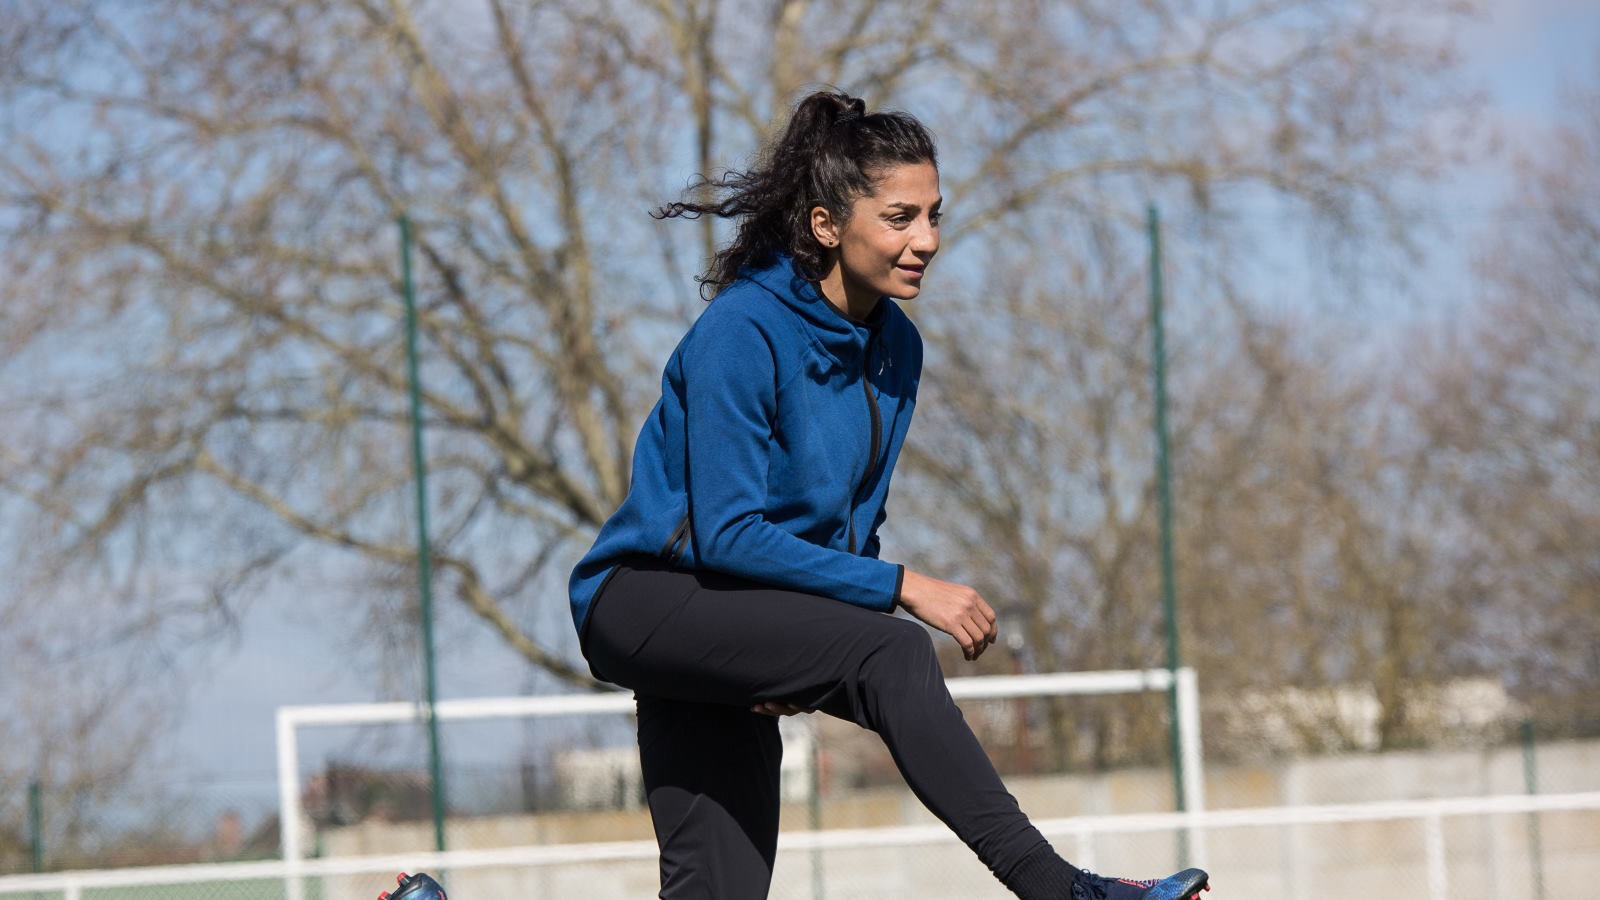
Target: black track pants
699 649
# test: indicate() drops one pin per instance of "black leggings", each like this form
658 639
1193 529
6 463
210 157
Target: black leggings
700 649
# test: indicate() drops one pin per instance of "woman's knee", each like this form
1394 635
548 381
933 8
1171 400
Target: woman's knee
904 647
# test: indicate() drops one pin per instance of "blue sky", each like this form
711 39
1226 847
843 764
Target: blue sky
1524 50
1526 55
1521 53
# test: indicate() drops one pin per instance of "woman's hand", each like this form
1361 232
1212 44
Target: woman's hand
954 609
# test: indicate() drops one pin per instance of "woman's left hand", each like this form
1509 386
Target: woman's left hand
774 708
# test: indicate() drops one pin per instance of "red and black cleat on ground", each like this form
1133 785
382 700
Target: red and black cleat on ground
414 887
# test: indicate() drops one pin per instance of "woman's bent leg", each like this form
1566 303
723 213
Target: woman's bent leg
712 639
711 779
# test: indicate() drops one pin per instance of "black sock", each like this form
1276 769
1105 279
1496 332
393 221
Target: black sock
1042 875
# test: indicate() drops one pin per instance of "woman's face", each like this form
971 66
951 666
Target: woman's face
885 246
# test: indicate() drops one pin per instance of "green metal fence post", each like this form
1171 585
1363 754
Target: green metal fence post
36 824
424 552
1169 599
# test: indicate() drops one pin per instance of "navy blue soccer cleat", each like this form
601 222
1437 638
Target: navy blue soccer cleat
1182 886
414 887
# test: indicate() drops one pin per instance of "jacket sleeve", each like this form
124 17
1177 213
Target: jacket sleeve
730 401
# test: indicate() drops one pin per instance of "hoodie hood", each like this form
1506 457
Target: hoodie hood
836 334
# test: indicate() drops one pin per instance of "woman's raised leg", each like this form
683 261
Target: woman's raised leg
708 639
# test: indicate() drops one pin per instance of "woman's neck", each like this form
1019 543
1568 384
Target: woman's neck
834 291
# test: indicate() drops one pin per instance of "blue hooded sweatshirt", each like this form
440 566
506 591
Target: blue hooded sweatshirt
769 453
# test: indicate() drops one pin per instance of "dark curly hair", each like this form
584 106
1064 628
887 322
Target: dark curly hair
831 153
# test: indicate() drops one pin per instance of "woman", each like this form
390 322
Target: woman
740 580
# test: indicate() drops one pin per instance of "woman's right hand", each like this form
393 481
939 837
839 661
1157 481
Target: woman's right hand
954 609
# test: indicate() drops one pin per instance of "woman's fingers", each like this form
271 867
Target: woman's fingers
982 631
990 625
982 618
980 643
970 634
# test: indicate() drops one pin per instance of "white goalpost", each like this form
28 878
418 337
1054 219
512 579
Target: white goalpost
291 719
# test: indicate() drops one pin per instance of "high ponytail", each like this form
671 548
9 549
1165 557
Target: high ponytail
831 153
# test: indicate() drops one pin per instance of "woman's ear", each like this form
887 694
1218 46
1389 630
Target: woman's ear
823 227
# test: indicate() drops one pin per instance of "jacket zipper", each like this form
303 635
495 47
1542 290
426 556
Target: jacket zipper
679 542
877 435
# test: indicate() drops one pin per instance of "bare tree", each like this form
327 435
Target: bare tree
1421 507
229 201
1039 462
202 342
89 692
1517 412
